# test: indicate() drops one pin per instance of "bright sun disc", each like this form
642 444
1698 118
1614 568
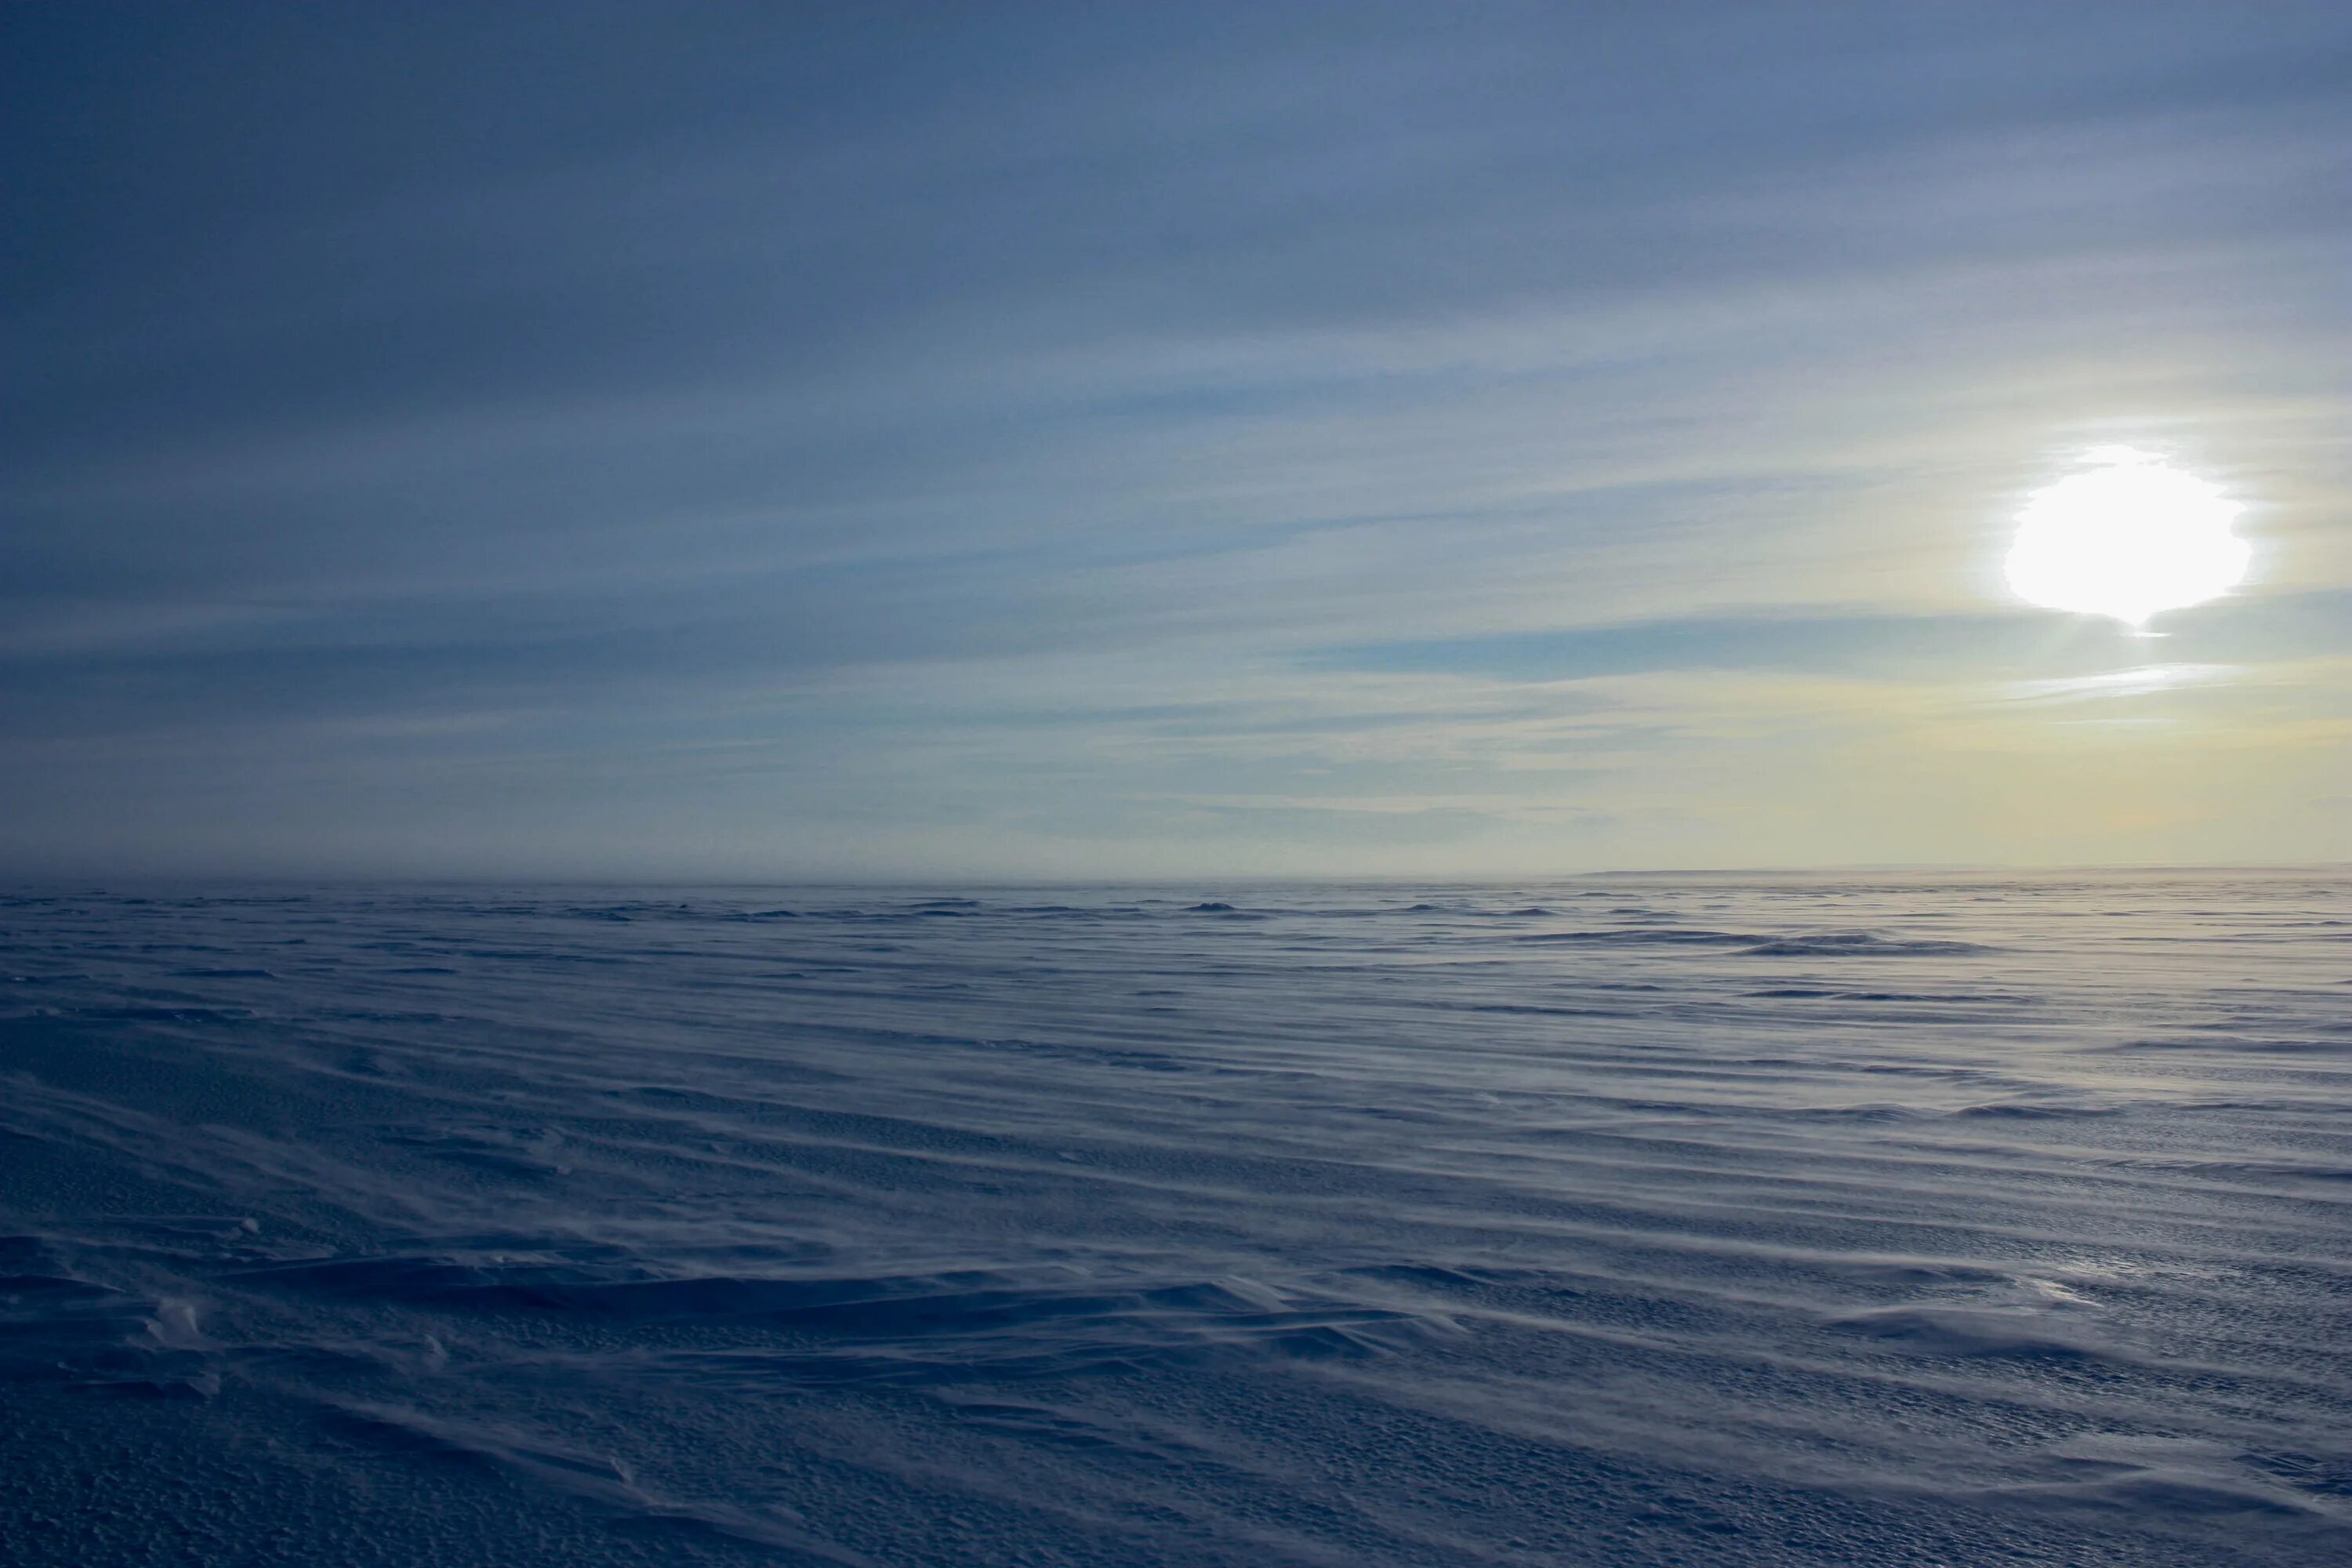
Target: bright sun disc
2127 537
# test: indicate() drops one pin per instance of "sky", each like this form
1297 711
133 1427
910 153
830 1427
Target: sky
694 441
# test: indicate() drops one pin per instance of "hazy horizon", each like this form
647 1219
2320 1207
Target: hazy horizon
222 881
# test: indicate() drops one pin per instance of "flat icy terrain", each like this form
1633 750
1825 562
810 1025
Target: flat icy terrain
1905 1222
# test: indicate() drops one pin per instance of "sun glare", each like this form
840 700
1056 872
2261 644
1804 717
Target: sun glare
2127 536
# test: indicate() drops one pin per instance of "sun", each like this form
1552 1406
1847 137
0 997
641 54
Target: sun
2127 536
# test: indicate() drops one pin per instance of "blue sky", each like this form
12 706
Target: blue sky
758 441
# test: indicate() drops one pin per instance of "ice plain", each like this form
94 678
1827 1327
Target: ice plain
1890 1220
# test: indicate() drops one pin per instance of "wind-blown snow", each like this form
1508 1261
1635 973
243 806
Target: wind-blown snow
1919 1221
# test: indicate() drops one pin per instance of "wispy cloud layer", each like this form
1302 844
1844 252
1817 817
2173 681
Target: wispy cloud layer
709 440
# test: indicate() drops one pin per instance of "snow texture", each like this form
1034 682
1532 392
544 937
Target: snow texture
1915 1221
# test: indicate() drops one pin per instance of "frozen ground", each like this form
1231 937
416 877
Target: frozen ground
1904 1222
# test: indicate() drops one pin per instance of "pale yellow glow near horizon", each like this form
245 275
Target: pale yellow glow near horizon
2127 537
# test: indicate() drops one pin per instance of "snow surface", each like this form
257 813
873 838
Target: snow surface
1912 1221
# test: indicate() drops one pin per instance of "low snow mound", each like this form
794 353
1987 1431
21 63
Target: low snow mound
1863 945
